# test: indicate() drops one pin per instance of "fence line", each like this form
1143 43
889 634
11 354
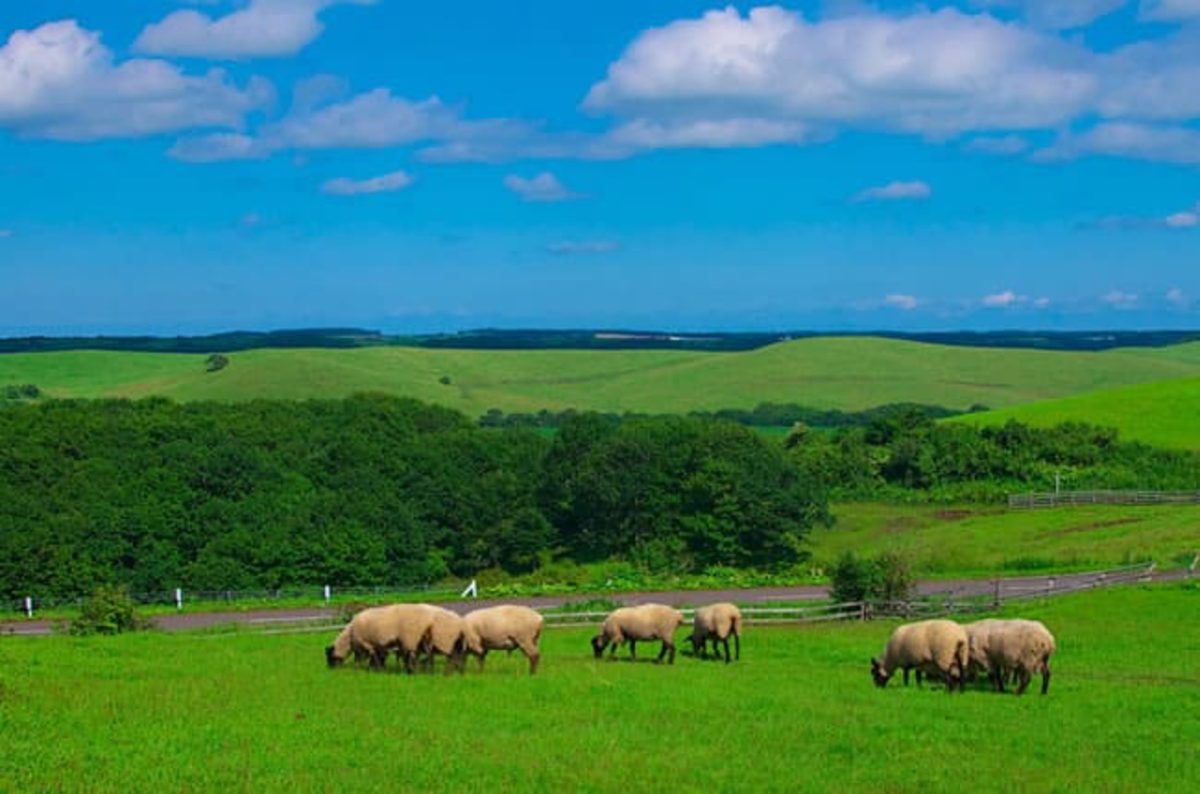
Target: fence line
1078 498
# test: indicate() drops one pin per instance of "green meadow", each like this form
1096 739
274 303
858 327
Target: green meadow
248 712
973 540
1163 414
847 373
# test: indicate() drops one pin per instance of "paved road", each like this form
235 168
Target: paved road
1006 587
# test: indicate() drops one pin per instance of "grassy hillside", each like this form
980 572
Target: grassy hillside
848 373
248 712
987 541
1165 414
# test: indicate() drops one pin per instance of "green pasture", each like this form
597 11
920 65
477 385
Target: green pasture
847 373
971 540
1163 414
245 712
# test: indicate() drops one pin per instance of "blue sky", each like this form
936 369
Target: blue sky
178 167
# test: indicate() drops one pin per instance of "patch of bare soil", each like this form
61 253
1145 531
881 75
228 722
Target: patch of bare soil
1115 522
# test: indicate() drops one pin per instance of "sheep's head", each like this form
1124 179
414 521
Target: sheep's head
331 657
598 645
880 675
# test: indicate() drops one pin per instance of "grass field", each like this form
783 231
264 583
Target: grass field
971 540
849 373
1164 414
240 712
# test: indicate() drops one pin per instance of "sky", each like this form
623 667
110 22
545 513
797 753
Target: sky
170 167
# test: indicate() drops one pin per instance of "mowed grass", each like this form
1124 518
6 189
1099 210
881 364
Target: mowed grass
244 712
1164 414
965 541
848 373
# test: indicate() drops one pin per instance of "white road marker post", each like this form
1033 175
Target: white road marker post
179 598
472 590
327 594
28 607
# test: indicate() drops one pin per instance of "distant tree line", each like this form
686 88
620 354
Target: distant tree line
908 457
153 494
763 415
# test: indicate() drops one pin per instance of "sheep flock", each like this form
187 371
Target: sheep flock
1002 651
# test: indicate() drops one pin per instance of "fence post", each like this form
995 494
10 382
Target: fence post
179 598
327 594
28 607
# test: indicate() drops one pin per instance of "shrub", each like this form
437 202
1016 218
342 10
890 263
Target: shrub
216 362
894 578
109 610
853 579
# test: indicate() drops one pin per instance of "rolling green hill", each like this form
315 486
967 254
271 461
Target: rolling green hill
1163 413
847 373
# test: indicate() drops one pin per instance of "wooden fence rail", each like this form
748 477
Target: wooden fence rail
1077 498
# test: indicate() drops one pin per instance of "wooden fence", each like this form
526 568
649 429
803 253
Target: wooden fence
1077 498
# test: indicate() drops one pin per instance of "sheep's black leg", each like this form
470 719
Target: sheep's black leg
663 651
1025 678
1045 677
906 675
726 641
633 649
737 645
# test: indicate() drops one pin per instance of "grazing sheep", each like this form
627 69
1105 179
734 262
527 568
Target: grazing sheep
1019 648
717 622
373 632
504 628
938 648
645 622
448 637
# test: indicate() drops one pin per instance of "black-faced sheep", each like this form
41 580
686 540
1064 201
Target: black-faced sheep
504 628
717 622
640 623
938 648
1020 648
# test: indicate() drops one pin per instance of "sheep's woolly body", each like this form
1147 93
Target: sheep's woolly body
938 648
640 623
717 622
1001 647
504 628
404 628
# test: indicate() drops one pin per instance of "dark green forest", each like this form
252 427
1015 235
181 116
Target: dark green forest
375 490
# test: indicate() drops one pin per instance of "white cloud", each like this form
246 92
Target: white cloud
544 187
1041 303
710 134
566 247
1056 13
1124 139
1176 297
1002 144
263 28
1121 300
896 191
1188 219
59 81
1169 10
1002 300
903 302
373 120
388 183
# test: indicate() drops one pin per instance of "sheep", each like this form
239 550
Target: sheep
645 622
405 628
717 622
504 628
447 637
934 647
1017 647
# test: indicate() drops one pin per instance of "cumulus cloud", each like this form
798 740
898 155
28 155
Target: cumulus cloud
1003 300
1169 10
1001 144
567 247
896 191
1056 13
1176 297
543 187
372 120
263 28
1121 300
1168 144
903 302
59 81
387 183
1187 219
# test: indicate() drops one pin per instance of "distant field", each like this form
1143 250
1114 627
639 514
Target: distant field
240 712
987 541
1165 414
847 373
